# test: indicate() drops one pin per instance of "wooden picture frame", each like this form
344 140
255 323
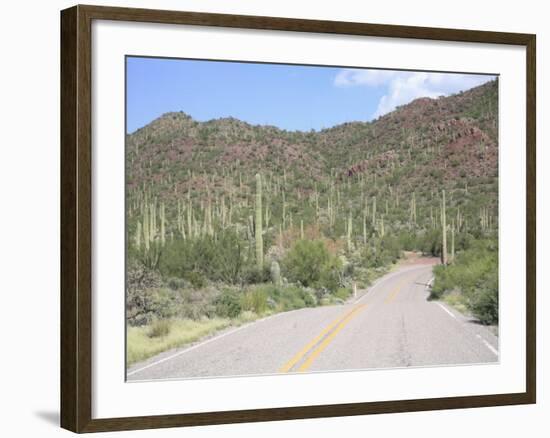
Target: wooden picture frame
76 217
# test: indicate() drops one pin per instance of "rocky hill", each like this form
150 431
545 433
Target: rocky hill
321 177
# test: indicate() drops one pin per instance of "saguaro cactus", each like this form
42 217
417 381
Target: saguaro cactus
267 216
162 224
443 230
189 214
350 230
258 230
146 229
284 210
275 273
365 229
138 235
153 221
452 241
413 209
459 219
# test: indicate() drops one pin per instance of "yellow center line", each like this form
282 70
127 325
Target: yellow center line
329 338
393 294
288 366
321 341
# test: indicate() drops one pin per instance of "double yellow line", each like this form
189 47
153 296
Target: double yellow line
316 346
321 341
393 294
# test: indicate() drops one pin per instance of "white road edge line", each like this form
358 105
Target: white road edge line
489 346
200 344
447 310
215 338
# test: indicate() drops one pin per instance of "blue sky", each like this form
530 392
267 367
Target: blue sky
287 96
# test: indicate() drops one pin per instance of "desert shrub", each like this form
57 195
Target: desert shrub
391 250
176 283
309 298
195 304
255 300
381 252
159 328
362 277
474 274
295 297
228 305
252 275
140 281
199 259
343 293
332 274
309 263
286 297
484 303
429 242
154 303
197 279
463 241
407 241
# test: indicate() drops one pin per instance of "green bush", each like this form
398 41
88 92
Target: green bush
252 275
474 274
331 277
283 297
149 304
484 303
308 298
309 263
175 283
382 252
295 297
255 300
408 241
305 261
343 293
196 304
220 259
196 279
429 242
228 305
139 282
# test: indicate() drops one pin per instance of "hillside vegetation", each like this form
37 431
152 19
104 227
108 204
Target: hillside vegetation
225 218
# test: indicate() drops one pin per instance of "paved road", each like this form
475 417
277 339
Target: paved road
390 325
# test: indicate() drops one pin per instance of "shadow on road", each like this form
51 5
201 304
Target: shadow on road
422 284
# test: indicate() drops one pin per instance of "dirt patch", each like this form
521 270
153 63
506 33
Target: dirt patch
411 258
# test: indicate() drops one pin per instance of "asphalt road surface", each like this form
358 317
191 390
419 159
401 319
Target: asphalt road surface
392 324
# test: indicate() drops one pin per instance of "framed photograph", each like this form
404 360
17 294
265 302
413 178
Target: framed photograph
270 218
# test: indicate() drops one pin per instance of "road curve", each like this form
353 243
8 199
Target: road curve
392 324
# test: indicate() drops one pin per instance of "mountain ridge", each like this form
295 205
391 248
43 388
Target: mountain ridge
416 150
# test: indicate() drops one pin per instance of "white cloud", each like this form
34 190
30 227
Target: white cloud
350 77
403 87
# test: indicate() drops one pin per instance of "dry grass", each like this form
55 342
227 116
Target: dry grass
456 299
150 340
141 345
160 328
